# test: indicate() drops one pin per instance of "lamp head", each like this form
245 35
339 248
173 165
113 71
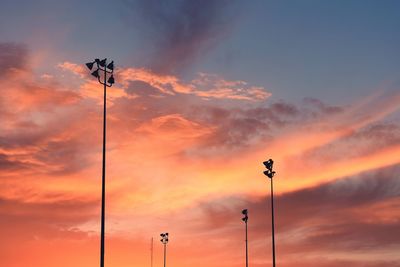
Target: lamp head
96 73
103 62
244 212
110 66
111 80
269 164
269 174
90 65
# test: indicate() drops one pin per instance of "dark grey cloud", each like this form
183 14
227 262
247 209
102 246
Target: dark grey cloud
141 88
181 30
8 164
64 156
238 127
12 56
319 106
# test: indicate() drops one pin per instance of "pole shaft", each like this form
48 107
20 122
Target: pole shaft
103 178
273 224
165 255
247 252
151 257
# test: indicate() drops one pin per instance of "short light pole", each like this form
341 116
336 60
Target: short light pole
102 68
245 218
270 174
164 240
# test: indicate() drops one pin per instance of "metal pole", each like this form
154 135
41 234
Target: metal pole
273 224
247 253
151 257
103 179
165 254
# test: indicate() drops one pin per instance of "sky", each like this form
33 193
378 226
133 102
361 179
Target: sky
205 92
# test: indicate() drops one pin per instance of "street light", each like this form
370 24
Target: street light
101 66
164 240
270 174
245 218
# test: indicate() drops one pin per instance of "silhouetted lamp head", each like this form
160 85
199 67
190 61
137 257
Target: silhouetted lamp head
244 212
269 164
269 174
90 65
111 80
103 62
96 73
110 66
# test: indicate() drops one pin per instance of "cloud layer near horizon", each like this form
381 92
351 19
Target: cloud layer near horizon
186 157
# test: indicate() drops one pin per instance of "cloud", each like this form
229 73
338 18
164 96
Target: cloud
9 164
145 82
182 29
55 217
141 88
13 57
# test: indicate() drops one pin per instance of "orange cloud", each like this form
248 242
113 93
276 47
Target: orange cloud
205 85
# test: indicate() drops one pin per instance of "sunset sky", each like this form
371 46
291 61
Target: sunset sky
205 92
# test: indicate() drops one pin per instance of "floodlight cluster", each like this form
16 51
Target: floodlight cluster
106 68
164 238
269 172
245 214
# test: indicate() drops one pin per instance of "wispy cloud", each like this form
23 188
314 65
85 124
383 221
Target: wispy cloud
181 30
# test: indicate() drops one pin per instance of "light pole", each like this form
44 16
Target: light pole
270 174
164 240
245 218
151 253
105 69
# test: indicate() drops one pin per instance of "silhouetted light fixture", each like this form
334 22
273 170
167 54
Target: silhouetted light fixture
270 174
103 62
245 219
111 80
164 240
90 65
111 65
106 83
96 73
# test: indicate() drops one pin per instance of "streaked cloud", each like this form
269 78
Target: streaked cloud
180 31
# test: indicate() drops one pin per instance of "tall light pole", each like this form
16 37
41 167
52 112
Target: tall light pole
245 218
151 253
270 174
104 69
164 240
